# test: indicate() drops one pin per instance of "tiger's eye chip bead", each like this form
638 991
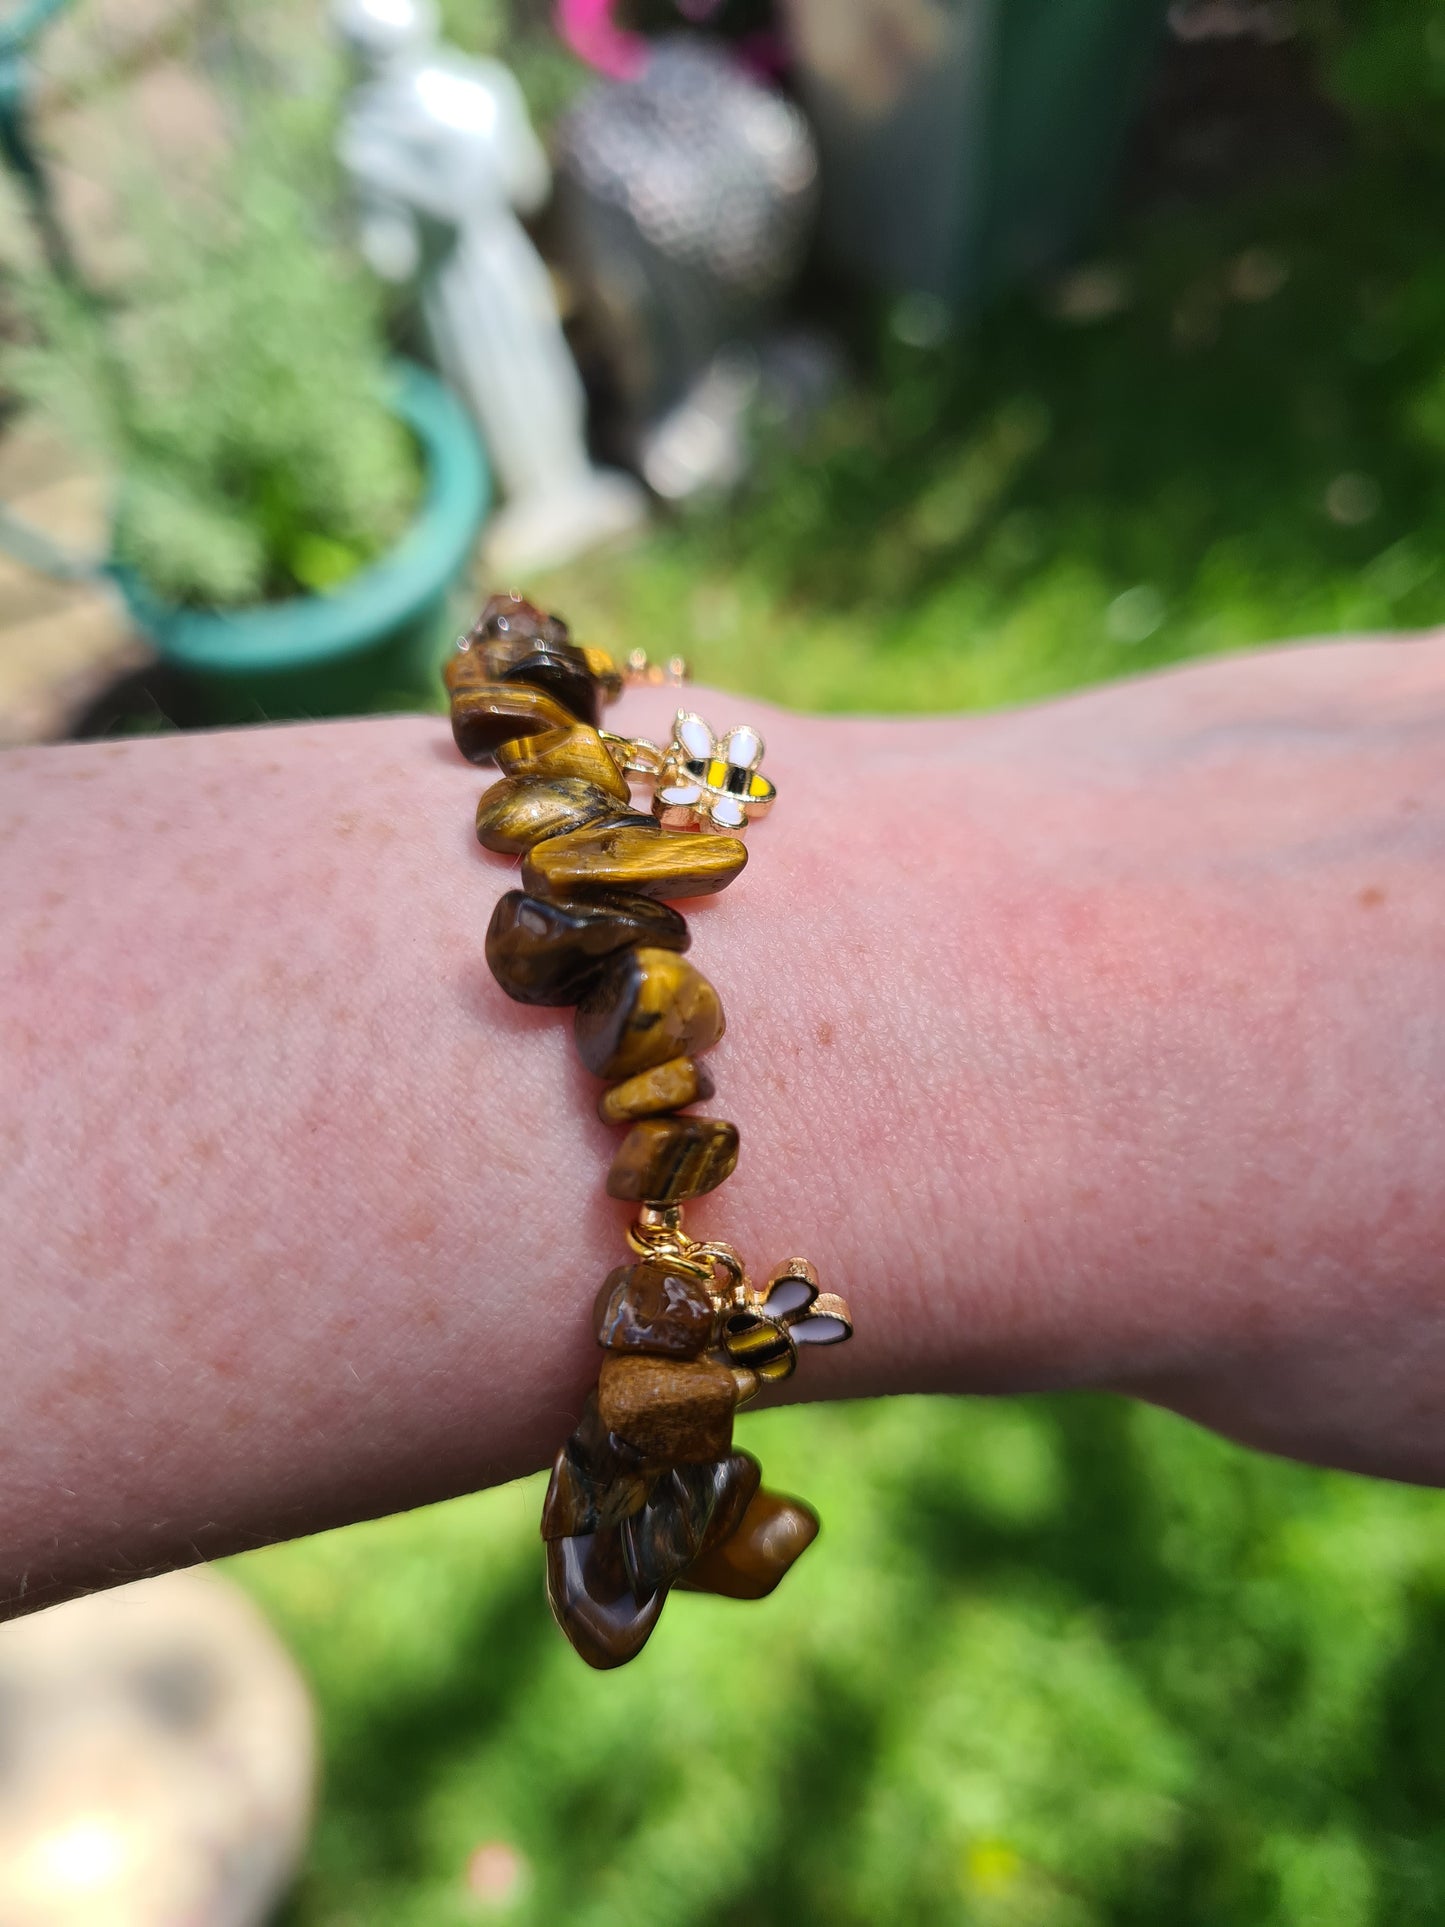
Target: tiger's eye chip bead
666 1160
647 1495
514 814
514 641
576 751
676 1410
654 1306
650 1005
666 1087
551 950
771 1536
626 856
487 714
594 1600
598 1480
691 1510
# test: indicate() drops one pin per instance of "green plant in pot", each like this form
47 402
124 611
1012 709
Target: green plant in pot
292 509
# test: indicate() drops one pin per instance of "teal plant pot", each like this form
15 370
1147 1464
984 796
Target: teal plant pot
375 642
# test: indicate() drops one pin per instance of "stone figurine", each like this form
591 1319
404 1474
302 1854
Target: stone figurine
444 159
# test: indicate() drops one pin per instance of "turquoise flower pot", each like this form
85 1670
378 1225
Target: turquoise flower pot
376 641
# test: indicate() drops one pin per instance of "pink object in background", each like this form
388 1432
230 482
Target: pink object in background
589 30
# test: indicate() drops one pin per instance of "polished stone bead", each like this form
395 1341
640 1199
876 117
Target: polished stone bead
597 1480
652 1306
551 950
690 1509
667 863
487 714
774 1532
673 1410
648 1006
666 1160
578 751
666 1087
508 618
515 813
514 641
591 1595
563 673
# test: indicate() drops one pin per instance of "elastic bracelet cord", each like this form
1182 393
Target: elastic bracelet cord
648 1493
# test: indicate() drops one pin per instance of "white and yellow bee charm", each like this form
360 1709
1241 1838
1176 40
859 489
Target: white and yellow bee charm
711 784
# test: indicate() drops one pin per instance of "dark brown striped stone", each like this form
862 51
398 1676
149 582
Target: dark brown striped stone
516 813
552 950
597 1480
487 714
667 1160
690 1509
591 1595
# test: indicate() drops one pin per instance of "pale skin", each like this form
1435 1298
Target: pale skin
1098 1044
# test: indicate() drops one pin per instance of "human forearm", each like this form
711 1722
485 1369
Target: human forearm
1058 1040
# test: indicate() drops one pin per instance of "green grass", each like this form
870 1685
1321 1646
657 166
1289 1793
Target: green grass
1057 1662
1053 1663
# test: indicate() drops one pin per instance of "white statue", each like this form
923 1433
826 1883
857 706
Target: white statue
443 158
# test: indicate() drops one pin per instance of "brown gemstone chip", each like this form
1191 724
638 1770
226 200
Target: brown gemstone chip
773 1534
648 1006
509 618
550 950
666 1087
654 1307
487 714
516 813
578 751
515 641
591 1595
666 1160
667 863
674 1410
690 1509
597 1480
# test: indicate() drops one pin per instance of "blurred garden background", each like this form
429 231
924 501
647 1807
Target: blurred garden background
1054 1663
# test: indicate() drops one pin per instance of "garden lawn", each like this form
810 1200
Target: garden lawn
1053 1663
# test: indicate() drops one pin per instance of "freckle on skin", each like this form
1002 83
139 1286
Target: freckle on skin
1371 897
825 1033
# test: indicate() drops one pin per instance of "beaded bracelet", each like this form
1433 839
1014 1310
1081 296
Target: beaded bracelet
648 1493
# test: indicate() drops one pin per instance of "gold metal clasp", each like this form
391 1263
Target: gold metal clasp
633 755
